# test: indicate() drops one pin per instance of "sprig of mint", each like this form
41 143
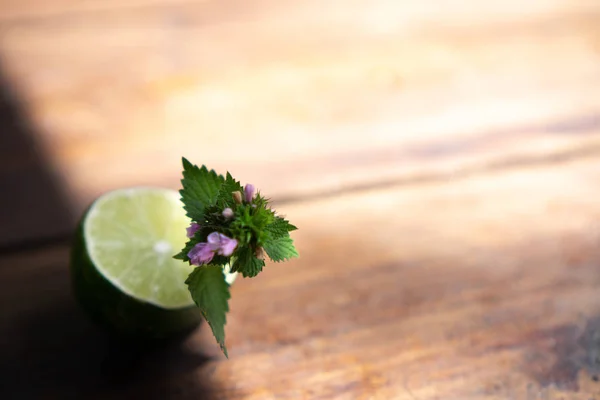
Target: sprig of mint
235 228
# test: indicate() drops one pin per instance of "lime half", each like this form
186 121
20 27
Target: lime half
122 265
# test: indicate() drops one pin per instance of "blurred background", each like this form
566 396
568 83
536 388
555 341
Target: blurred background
456 132
302 97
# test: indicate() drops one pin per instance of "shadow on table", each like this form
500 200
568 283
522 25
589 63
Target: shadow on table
34 206
48 347
54 351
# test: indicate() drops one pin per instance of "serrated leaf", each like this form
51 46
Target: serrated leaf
229 186
210 292
281 249
253 268
200 189
182 255
261 218
247 264
279 227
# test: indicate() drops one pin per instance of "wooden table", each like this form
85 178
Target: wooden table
439 158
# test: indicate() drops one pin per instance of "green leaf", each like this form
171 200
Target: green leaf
261 218
247 263
230 185
210 292
279 227
249 225
253 268
281 249
183 254
200 189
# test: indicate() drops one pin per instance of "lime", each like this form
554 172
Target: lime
122 266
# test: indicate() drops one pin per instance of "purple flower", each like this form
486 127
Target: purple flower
228 213
249 192
201 254
221 244
192 229
228 247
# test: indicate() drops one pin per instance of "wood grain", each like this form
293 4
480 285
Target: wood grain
477 288
298 97
440 159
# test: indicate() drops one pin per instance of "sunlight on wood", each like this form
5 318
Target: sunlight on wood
439 157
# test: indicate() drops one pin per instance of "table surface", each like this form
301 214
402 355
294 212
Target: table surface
439 158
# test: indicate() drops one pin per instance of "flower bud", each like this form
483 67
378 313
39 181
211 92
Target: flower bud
260 253
249 192
228 213
192 229
237 197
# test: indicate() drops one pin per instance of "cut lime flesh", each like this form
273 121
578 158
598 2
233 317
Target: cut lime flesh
122 263
131 237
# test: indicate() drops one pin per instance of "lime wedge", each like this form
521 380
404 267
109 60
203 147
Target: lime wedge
123 270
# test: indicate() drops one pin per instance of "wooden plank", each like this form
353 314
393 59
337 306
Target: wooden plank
40 10
477 288
300 98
